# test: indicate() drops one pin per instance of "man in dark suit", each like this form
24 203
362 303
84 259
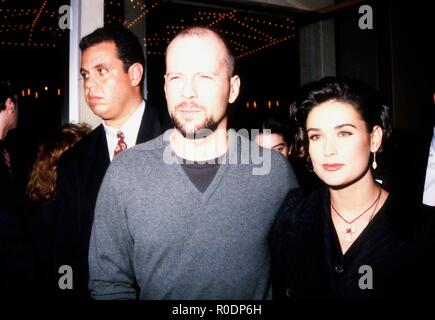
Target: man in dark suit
427 189
112 68
8 122
429 185
16 260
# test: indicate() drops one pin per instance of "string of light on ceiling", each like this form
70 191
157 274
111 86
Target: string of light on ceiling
32 44
242 40
248 34
141 8
31 28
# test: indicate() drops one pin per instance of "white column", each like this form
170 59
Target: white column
317 51
74 63
87 16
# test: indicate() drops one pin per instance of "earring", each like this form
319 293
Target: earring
374 163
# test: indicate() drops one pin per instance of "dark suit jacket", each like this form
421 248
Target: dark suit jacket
5 178
407 159
79 175
16 259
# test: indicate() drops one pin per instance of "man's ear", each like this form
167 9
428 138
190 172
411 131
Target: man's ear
376 138
164 85
135 73
234 88
9 104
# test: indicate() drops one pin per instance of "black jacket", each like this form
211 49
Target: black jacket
17 276
79 175
307 262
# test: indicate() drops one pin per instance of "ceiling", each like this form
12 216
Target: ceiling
308 5
33 24
250 25
247 32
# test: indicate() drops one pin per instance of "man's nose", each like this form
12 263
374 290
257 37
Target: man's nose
189 89
90 82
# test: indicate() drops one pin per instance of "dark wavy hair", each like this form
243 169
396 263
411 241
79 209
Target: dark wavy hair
364 99
275 125
127 44
42 180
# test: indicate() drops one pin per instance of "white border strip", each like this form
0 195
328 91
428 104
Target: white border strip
74 63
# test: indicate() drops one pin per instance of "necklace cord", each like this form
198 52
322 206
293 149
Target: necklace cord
365 211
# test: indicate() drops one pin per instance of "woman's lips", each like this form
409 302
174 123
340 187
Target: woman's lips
332 166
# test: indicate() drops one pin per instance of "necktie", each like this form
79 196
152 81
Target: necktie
121 143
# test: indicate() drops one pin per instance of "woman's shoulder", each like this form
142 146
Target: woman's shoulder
302 206
301 198
299 220
293 197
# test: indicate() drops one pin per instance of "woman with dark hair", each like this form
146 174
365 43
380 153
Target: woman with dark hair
346 239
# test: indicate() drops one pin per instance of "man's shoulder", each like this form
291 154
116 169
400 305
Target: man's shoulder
142 152
87 145
303 208
154 144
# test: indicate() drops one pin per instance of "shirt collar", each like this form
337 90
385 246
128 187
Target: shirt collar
131 127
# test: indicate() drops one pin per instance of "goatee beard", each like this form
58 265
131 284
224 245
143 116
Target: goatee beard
200 131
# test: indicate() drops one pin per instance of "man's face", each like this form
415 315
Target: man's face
198 86
109 90
12 111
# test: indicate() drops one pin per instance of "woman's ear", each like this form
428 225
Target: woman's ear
376 138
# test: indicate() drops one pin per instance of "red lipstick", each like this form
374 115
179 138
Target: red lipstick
332 166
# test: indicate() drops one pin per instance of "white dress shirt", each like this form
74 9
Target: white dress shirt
429 184
130 130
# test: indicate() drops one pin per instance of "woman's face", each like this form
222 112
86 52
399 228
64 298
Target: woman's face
339 144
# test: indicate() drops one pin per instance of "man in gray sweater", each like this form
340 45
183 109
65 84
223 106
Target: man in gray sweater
187 215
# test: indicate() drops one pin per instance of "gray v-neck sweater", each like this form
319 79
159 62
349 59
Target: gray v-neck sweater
155 236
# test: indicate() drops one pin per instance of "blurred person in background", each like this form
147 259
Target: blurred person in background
16 260
41 191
